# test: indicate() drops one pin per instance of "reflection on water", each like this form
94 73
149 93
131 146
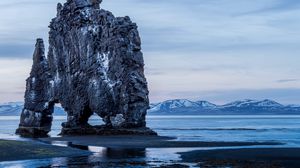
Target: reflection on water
102 155
106 153
106 158
12 137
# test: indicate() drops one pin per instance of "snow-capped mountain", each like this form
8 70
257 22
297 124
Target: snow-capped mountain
188 107
177 105
15 109
206 104
11 108
173 104
293 106
253 103
247 107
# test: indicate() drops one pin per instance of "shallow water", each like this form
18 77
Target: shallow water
284 129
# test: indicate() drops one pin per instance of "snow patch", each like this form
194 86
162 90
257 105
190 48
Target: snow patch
103 60
46 105
57 78
95 82
86 13
32 116
84 30
51 83
118 120
94 29
206 104
33 80
173 104
254 103
32 94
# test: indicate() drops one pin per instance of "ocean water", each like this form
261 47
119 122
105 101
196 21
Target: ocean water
285 129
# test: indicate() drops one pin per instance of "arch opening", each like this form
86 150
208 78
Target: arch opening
59 116
61 119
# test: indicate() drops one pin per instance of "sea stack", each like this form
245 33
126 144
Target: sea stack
94 65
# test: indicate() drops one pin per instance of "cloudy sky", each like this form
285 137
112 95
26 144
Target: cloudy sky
216 50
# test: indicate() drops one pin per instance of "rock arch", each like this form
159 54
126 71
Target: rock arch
94 65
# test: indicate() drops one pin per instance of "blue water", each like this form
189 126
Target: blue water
285 129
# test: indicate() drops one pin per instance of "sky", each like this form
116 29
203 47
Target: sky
215 50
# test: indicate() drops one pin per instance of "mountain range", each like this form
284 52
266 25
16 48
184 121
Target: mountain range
15 109
188 107
241 107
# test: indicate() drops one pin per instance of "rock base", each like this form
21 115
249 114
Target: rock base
103 130
32 132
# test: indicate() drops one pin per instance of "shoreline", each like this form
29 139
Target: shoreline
13 150
244 157
146 142
273 156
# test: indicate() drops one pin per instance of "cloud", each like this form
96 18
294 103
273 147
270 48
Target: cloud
189 45
16 51
287 80
276 6
154 71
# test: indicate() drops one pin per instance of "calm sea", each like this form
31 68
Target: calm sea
284 129
201 128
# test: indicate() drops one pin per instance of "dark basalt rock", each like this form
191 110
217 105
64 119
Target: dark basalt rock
104 130
94 65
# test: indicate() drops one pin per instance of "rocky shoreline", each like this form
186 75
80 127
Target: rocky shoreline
11 150
78 153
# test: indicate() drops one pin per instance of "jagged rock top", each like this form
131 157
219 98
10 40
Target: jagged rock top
79 4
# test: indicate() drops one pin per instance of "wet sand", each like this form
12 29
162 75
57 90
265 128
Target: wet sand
146 142
267 157
253 157
19 150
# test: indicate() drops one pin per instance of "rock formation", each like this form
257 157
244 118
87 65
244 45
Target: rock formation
94 65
